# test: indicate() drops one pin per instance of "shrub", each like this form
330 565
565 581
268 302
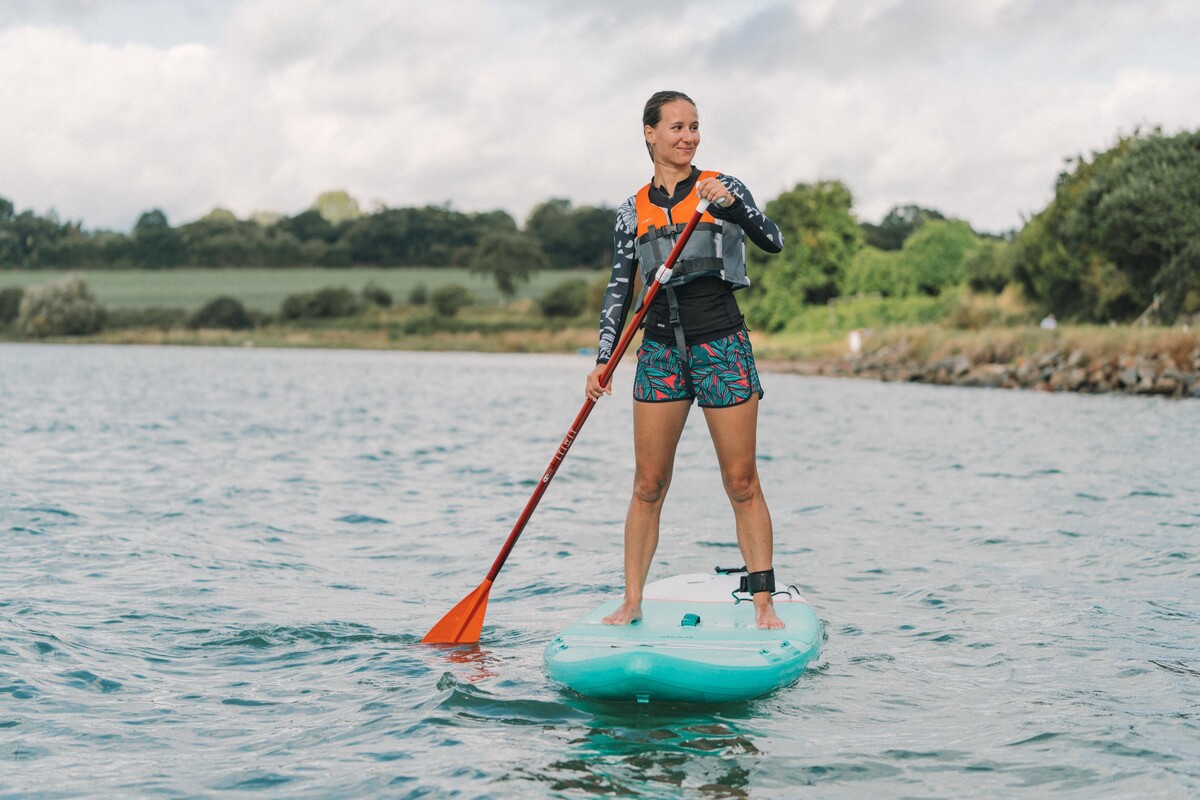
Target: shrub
10 303
65 307
221 312
419 295
566 299
874 271
450 298
868 312
374 294
992 266
151 317
328 303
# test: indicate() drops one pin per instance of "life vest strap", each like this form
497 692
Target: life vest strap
680 343
674 230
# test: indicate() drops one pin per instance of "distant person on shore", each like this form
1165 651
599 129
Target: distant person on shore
1049 323
695 348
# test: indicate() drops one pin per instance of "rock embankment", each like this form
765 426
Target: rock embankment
1067 370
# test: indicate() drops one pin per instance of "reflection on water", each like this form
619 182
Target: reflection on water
628 752
218 565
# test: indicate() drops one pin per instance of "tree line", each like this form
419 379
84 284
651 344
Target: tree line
332 233
1120 240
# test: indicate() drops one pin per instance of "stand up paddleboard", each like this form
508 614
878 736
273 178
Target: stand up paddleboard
696 643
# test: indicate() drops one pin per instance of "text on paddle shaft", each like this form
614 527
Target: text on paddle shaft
560 455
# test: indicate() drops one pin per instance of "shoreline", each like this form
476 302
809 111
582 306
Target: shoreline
1147 372
1144 362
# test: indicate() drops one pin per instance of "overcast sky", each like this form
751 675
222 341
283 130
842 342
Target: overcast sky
111 107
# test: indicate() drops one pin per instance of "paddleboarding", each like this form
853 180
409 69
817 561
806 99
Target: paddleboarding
692 638
696 643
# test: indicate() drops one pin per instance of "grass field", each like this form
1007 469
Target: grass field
265 289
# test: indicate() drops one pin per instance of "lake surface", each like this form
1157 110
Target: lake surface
216 566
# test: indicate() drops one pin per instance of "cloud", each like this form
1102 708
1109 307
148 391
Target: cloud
966 107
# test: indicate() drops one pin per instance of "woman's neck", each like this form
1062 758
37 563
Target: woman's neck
669 176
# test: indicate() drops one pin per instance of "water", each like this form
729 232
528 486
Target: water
217 565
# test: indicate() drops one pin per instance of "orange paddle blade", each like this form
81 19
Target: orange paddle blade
463 622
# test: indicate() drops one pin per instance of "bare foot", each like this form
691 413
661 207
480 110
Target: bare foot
629 611
764 614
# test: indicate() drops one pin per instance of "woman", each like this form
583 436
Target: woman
695 346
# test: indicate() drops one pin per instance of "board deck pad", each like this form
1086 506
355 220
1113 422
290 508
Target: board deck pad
694 644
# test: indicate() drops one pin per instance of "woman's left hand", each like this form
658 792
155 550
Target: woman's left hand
714 191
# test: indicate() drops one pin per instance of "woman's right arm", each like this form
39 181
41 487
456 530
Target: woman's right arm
619 295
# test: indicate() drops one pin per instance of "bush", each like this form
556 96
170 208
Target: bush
327 303
221 312
450 298
118 319
934 255
566 299
874 271
376 295
868 312
10 303
65 307
992 266
419 295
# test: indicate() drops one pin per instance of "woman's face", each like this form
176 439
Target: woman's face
676 136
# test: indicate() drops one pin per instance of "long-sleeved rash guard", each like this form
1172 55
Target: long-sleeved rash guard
707 307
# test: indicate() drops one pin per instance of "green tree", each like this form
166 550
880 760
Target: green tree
309 225
337 206
991 266
875 271
1069 277
820 237
156 244
572 237
900 223
509 258
1142 214
933 256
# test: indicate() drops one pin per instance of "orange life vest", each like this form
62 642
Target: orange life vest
715 247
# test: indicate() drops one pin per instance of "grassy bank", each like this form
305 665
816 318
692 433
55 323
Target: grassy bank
265 289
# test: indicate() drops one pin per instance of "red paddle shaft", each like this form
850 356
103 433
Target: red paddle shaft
464 622
664 275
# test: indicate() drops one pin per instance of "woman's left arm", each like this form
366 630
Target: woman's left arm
746 215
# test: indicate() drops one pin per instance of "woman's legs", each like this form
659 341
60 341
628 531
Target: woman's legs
656 431
734 431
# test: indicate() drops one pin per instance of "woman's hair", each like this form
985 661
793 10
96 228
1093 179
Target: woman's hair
652 113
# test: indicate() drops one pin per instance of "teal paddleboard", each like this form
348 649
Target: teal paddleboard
696 643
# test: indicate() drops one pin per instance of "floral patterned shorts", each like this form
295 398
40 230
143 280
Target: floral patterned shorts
723 372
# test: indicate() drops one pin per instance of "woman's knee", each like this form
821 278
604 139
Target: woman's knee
741 484
650 487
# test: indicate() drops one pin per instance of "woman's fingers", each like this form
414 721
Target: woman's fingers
714 191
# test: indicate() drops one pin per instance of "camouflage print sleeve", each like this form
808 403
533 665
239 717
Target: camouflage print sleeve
758 227
620 285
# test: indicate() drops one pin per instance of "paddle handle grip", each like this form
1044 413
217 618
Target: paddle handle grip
663 275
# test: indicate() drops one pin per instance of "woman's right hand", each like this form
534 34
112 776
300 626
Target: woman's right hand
594 390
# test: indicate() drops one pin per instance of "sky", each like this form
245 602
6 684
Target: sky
109 108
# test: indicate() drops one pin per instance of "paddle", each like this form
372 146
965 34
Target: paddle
463 623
